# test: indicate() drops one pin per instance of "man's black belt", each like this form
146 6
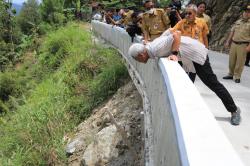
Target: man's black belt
237 42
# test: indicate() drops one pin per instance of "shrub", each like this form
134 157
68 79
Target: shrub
59 19
44 28
9 86
3 107
64 42
93 79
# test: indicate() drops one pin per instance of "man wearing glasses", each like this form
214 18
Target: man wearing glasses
195 28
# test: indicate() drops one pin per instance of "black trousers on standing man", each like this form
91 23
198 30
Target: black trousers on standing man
208 77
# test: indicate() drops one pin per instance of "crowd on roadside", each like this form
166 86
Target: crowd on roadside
193 21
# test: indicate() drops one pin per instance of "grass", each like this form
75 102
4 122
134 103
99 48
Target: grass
74 77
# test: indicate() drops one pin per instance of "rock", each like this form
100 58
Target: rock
103 148
106 119
99 138
98 122
75 145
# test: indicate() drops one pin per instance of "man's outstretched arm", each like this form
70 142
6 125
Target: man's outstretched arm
175 45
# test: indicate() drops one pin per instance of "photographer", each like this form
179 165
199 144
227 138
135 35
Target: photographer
173 12
174 15
134 27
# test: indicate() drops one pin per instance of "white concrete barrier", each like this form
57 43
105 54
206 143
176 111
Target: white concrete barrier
179 128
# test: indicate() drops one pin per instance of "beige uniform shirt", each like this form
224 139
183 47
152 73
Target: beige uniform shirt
127 18
153 25
241 31
207 19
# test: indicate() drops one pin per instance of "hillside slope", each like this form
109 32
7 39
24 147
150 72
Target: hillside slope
113 139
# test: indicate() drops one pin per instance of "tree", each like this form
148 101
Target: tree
29 17
9 36
52 11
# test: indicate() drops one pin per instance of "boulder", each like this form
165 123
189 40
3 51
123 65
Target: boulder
74 146
103 148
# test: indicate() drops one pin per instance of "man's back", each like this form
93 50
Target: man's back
189 48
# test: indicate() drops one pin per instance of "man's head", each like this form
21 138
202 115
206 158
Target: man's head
191 12
138 52
201 7
109 12
148 4
246 13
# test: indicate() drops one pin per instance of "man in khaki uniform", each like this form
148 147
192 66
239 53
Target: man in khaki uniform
240 38
154 22
126 17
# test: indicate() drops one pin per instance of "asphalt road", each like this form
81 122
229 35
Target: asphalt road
239 136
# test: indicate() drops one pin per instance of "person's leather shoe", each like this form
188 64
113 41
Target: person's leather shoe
247 65
236 118
228 77
237 80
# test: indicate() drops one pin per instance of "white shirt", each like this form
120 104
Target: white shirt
189 48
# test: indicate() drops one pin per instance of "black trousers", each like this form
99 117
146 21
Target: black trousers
192 76
247 59
208 77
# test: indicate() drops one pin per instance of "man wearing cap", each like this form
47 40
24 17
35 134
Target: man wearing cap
170 44
154 22
240 44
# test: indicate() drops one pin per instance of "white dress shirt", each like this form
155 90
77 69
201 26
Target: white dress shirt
190 49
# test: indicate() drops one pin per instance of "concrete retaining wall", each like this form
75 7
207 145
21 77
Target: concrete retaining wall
179 128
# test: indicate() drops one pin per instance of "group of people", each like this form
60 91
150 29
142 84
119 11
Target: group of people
183 36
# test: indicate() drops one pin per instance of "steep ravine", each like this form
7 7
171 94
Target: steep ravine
112 136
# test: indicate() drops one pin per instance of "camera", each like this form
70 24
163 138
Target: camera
173 15
173 8
176 4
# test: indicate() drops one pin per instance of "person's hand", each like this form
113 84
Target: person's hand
173 58
226 45
145 42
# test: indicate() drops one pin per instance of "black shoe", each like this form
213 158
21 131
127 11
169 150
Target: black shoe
247 65
228 77
237 80
236 118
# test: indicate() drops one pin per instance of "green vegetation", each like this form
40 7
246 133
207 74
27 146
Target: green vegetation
51 92
51 77
29 17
